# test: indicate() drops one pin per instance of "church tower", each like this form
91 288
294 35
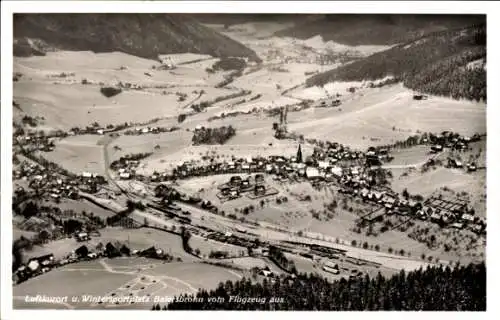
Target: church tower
299 154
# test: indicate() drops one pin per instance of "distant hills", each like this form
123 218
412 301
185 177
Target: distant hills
447 63
235 19
142 35
376 29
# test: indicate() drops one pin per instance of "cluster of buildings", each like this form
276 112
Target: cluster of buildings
55 185
46 181
230 238
45 263
237 185
127 169
330 163
453 141
149 130
451 213
127 166
459 164
455 216
334 164
37 141
34 267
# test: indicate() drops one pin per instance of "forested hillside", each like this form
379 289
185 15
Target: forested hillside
442 63
460 289
143 35
377 29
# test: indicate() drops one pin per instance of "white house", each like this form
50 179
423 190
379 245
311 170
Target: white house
365 192
269 168
86 174
323 164
312 173
467 217
83 236
336 171
266 273
33 265
125 175
301 166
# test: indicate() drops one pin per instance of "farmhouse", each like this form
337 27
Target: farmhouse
419 97
331 267
389 201
336 171
125 175
225 191
45 260
260 190
437 148
471 167
467 218
323 164
235 181
33 266
245 184
457 225
266 273
86 174
454 163
82 236
259 179
312 173
234 194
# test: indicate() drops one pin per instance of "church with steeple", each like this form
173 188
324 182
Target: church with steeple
299 154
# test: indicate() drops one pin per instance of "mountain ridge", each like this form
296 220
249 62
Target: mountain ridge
437 63
377 29
142 35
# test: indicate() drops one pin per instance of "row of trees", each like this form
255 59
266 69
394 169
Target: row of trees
109 92
122 161
435 288
231 63
30 121
213 135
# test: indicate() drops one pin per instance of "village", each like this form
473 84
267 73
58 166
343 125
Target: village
354 174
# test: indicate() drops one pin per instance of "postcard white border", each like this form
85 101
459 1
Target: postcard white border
443 7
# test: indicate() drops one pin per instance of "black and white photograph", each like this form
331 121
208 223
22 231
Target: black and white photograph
161 160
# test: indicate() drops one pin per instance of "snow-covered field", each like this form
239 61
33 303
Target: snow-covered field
385 115
79 154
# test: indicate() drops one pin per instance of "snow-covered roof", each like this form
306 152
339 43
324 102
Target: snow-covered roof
33 265
312 172
323 164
